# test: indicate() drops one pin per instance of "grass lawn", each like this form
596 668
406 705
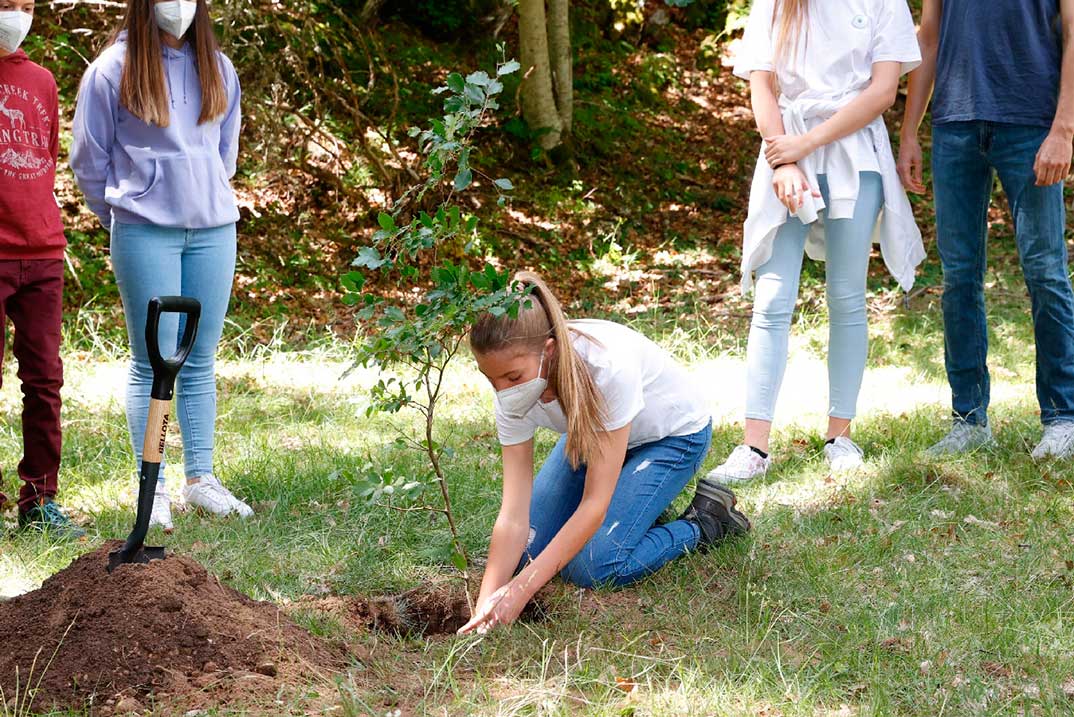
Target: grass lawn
914 589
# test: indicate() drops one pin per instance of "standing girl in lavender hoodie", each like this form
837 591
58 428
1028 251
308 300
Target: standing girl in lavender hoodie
155 142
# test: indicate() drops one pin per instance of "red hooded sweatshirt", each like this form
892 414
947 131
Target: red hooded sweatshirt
30 222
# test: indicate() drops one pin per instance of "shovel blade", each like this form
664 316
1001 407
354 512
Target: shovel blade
142 555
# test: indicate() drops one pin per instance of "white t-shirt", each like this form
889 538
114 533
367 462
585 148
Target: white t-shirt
641 384
836 49
832 65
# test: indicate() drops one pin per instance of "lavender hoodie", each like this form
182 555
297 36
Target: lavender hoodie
137 173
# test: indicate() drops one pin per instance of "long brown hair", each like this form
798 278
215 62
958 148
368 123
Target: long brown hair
141 88
540 317
788 22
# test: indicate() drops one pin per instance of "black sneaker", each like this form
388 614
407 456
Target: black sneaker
47 517
713 511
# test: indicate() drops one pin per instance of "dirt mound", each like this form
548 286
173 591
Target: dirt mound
166 629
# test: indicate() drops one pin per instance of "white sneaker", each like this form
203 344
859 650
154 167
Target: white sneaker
1057 441
209 495
844 455
962 438
744 464
162 509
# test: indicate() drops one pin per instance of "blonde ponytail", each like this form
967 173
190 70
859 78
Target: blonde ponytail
539 318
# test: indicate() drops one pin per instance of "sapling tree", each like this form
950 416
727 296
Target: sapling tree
413 342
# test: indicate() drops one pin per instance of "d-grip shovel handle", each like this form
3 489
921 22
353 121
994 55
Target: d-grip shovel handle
166 369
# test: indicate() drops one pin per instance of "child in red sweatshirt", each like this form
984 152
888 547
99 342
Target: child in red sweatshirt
31 263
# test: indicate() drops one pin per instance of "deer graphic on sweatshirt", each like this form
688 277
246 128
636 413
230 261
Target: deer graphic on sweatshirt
13 116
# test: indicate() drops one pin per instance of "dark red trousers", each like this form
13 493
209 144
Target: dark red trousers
31 295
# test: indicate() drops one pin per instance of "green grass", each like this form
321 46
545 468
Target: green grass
915 589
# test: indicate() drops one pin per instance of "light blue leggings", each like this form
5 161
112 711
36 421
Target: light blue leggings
847 246
150 261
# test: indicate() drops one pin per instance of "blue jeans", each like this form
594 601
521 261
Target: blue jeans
848 243
966 156
150 261
627 546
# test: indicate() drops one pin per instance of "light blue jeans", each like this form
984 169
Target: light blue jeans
847 246
627 546
150 261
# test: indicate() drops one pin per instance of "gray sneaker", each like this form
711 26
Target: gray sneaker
962 438
1057 441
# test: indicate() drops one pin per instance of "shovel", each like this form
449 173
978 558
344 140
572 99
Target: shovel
156 428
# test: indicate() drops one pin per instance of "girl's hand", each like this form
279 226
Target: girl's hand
790 185
787 149
501 608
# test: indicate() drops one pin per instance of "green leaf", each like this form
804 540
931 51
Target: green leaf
369 257
386 221
504 184
353 281
456 83
458 561
479 78
463 179
475 94
508 67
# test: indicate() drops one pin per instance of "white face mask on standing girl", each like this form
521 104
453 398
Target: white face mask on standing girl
14 26
175 16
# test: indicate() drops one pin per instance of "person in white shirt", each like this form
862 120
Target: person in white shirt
821 74
634 432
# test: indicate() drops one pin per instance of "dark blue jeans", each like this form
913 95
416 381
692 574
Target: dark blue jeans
627 546
966 156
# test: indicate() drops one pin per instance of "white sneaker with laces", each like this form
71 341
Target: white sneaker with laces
962 438
744 464
844 455
210 495
1057 441
162 509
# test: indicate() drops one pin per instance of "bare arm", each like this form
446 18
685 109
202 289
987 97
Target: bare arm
918 93
1053 159
766 110
601 479
511 530
858 113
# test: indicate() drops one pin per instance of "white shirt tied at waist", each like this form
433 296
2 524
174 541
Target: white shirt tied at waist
867 150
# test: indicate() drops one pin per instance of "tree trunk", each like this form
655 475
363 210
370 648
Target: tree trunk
538 101
559 46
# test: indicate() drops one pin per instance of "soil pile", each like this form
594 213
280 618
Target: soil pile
167 629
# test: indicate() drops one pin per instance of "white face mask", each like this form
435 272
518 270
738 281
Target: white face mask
175 16
14 26
516 402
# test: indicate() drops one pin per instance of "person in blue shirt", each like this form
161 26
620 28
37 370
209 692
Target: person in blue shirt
1003 104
